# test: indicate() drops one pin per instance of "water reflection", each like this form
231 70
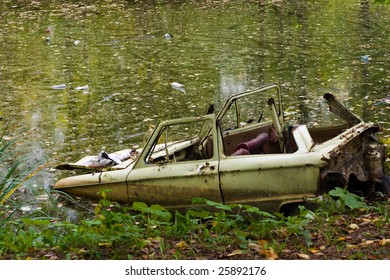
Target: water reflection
118 49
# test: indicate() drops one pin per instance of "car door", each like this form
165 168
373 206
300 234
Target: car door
268 181
266 176
178 163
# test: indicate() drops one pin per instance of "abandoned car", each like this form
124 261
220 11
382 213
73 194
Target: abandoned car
244 154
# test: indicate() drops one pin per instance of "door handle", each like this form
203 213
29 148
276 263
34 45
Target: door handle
201 169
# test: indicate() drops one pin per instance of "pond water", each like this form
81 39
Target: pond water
78 77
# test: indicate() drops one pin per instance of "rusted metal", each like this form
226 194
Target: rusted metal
373 161
265 175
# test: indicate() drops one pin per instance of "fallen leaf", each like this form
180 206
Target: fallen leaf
262 242
314 250
384 241
341 238
304 256
262 248
353 226
255 247
322 247
182 245
235 253
145 251
368 242
351 246
270 254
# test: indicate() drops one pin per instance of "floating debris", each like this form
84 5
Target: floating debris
383 100
365 58
178 86
83 88
49 32
61 86
49 29
134 135
107 98
167 36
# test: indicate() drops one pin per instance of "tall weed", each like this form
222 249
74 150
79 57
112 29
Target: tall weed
13 173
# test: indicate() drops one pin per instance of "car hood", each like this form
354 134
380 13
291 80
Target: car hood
113 161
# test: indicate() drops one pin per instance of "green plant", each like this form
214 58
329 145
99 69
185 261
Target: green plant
348 199
13 173
147 231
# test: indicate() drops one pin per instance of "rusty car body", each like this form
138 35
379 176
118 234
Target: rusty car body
244 154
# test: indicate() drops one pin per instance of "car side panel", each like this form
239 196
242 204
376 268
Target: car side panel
268 181
173 185
92 184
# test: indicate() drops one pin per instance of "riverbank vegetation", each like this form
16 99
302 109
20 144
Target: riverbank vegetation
344 227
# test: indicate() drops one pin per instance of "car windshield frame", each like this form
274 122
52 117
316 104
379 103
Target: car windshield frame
235 102
160 129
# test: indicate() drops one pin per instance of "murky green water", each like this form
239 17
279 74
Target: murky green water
118 49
